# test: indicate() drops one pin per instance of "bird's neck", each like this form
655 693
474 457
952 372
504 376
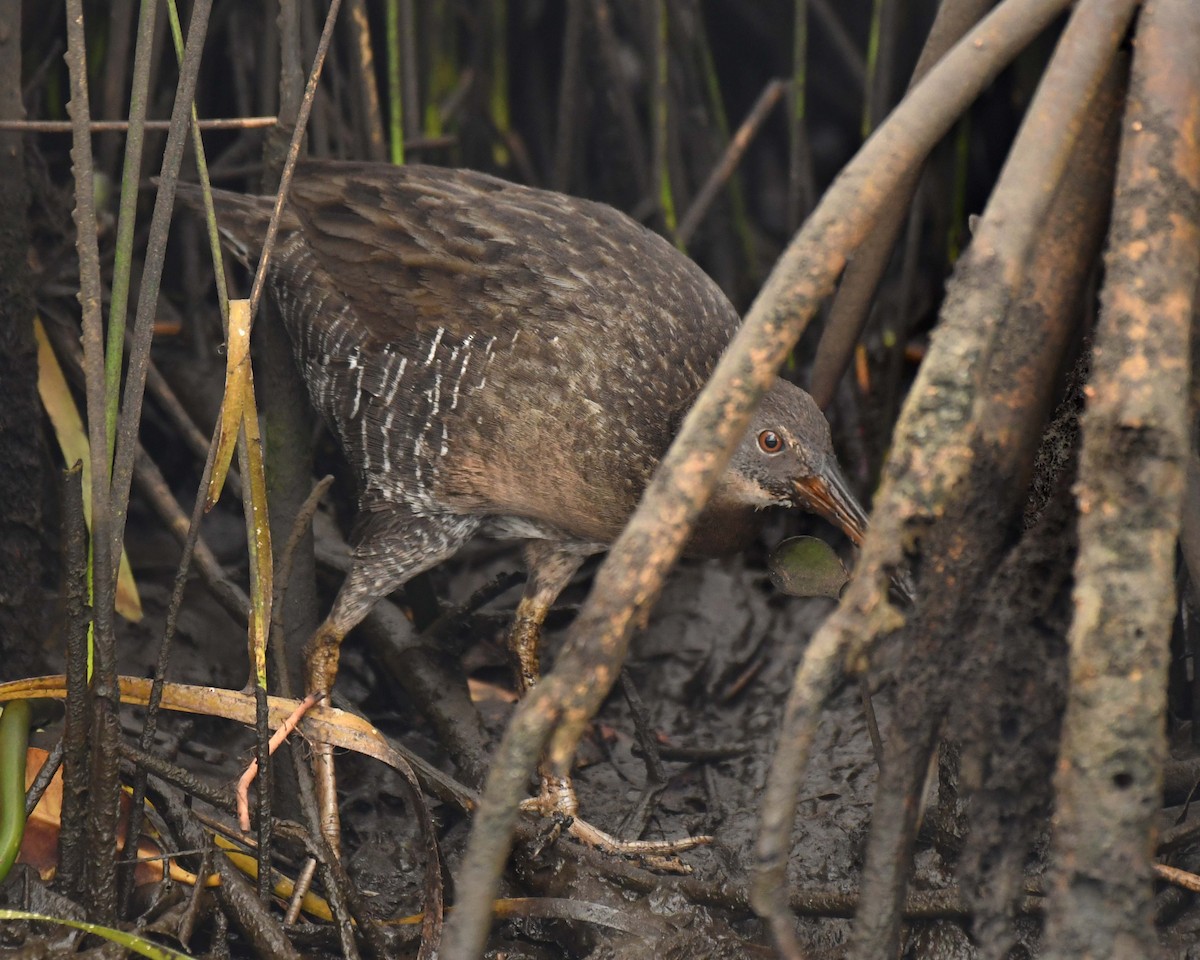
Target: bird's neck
726 527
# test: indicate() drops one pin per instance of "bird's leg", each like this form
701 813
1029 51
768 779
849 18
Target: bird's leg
321 662
321 655
393 547
550 570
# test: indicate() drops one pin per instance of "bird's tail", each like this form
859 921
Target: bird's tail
241 220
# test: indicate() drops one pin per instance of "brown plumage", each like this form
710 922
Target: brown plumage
504 360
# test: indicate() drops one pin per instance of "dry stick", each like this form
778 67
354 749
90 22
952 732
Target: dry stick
153 486
127 446
41 783
637 819
321 852
363 65
120 126
771 95
303 113
131 172
850 308
219 797
1180 835
868 705
190 547
278 652
409 69
842 42
196 898
939 442
1181 878
631 578
293 154
568 97
100 889
156 246
76 728
303 884
1130 489
622 97
236 894
807 902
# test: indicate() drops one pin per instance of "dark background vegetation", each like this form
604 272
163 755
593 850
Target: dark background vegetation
633 102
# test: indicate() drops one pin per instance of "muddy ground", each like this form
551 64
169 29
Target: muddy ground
713 669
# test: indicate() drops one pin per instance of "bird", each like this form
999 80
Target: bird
500 360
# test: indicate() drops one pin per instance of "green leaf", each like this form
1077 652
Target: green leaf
807 567
14 741
130 941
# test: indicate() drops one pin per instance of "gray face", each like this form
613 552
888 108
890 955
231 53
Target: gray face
786 460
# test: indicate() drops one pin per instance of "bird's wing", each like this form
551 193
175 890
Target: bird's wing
426 247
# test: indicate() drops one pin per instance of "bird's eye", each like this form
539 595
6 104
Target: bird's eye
770 442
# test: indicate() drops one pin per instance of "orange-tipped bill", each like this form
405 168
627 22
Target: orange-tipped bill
828 495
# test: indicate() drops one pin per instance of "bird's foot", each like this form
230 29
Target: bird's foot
557 800
321 655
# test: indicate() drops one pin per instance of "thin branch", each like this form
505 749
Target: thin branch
156 248
100 888
121 126
771 95
850 309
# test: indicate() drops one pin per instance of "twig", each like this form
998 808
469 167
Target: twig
770 96
76 725
848 314
121 126
277 738
293 154
156 248
100 889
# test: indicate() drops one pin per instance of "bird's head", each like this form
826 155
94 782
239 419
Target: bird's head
786 460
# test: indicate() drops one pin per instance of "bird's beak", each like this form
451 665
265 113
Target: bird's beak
828 495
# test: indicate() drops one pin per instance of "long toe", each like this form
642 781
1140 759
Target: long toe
557 798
